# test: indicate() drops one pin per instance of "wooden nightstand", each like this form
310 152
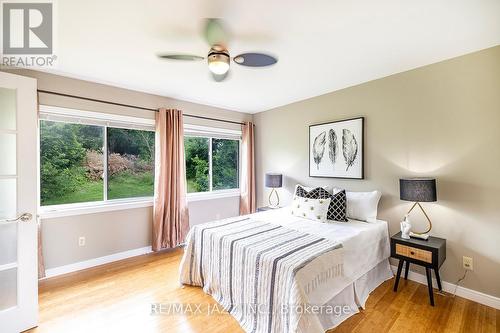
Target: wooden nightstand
430 254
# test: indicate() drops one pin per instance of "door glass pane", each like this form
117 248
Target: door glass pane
131 155
7 109
8 195
225 164
197 164
8 288
8 243
71 163
8 154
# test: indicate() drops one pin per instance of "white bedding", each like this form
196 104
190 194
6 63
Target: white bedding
365 247
365 244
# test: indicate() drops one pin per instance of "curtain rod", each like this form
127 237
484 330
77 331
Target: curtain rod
134 106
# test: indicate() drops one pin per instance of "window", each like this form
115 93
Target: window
131 156
197 164
212 164
70 163
225 155
87 162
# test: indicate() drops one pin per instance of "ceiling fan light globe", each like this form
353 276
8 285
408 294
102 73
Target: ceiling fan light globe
218 64
218 68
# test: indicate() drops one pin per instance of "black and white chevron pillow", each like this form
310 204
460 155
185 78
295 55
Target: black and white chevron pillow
338 203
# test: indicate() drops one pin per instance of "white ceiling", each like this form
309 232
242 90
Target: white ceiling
322 45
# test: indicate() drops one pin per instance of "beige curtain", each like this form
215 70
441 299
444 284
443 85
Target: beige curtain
247 181
170 215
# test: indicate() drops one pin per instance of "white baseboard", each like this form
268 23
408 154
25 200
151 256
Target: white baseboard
51 272
470 294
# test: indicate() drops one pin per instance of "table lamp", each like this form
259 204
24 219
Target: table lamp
418 190
274 181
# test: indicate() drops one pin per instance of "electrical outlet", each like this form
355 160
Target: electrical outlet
468 263
81 241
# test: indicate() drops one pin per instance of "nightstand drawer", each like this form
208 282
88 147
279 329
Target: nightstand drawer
412 252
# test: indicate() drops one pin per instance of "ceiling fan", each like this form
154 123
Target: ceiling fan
218 57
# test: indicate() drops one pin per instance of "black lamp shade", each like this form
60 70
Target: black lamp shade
418 189
274 180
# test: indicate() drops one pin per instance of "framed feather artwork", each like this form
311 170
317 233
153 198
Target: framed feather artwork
336 149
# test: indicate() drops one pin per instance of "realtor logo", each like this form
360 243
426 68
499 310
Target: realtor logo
27 28
27 34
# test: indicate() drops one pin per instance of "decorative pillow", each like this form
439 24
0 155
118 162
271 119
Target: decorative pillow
362 206
311 193
312 209
337 209
328 188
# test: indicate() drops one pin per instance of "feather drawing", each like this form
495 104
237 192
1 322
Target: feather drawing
332 146
319 148
349 147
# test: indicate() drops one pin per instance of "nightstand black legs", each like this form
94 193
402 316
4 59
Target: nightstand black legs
429 284
398 275
427 272
400 268
438 279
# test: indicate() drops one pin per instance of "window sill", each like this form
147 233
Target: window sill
202 196
91 208
55 211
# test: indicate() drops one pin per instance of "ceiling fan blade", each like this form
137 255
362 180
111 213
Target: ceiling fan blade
255 59
215 33
184 57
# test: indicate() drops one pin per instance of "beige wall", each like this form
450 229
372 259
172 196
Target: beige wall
105 234
441 120
117 231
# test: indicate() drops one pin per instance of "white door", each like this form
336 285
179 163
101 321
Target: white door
18 203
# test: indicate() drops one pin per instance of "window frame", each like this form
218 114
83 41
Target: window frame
104 120
214 133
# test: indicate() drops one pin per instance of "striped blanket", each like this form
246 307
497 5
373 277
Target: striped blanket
261 273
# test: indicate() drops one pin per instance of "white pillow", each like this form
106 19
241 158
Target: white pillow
361 206
327 188
312 209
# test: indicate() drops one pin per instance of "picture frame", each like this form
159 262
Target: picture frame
336 149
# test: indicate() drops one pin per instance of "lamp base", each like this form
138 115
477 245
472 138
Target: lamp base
419 236
271 203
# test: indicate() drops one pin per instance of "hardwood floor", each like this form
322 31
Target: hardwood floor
117 298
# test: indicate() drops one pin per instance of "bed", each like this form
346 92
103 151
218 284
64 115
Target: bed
274 272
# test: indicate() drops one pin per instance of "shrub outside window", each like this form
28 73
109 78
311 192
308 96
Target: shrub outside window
212 164
225 161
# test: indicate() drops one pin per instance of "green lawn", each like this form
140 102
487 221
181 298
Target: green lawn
90 191
127 185
123 185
